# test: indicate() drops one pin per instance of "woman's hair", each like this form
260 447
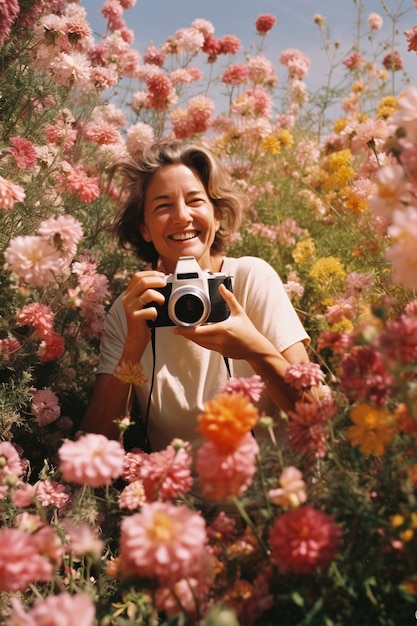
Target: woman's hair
136 176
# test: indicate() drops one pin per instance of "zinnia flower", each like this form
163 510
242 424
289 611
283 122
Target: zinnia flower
251 387
60 610
304 375
23 151
225 420
93 460
130 373
304 539
226 474
374 429
166 474
163 541
292 492
264 23
45 407
20 561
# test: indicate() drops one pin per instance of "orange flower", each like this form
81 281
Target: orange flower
130 373
374 429
226 418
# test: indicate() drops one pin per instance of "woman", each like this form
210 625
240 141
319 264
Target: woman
175 204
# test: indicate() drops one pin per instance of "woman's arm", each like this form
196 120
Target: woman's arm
110 395
238 338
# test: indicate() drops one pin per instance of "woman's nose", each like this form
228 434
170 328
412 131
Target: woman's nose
181 212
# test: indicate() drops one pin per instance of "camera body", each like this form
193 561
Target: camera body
191 296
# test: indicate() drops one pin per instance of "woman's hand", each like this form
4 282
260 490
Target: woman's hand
235 338
141 291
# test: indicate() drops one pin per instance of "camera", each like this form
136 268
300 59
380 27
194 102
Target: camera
191 296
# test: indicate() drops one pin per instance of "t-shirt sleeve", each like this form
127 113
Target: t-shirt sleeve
112 342
261 292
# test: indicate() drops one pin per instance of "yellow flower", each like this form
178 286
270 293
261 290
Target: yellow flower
271 145
354 202
386 107
339 124
130 373
303 251
326 270
226 418
358 86
285 138
344 326
374 429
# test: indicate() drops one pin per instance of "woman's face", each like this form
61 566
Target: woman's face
179 218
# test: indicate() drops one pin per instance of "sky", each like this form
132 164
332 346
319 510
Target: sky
152 21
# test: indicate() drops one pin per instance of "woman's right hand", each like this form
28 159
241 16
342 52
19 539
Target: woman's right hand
141 291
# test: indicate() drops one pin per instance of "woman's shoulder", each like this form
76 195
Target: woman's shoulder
246 265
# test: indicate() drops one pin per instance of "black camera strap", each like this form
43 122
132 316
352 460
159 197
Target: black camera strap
146 417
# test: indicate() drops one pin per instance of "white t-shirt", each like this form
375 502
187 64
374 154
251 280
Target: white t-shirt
187 375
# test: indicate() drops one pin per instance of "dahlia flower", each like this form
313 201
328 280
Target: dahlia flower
92 460
163 541
304 539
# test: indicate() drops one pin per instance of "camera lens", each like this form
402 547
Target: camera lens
189 309
188 306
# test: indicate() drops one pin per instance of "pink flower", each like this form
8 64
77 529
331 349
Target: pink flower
51 347
23 495
235 74
304 540
93 460
375 21
64 232
71 69
8 349
411 36
264 23
33 259
45 407
138 137
367 132
9 12
354 61
166 474
304 375
10 463
296 62
364 376
20 561
82 538
154 56
23 152
79 182
225 475
230 44
133 496
307 425
60 610
403 253
292 492
10 193
51 493
251 387
39 316
163 541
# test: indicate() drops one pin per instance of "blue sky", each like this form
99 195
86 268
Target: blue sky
155 20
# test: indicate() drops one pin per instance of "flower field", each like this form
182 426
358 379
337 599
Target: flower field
320 530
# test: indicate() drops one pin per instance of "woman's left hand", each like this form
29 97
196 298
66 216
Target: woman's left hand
235 338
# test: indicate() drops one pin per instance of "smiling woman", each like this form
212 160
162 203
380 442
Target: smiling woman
176 204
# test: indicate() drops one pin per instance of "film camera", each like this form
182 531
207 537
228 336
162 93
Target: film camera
191 296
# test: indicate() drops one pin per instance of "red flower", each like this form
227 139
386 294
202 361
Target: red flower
304 539
264 23
392 62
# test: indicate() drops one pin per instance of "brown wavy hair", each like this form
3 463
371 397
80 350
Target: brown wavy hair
136 175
